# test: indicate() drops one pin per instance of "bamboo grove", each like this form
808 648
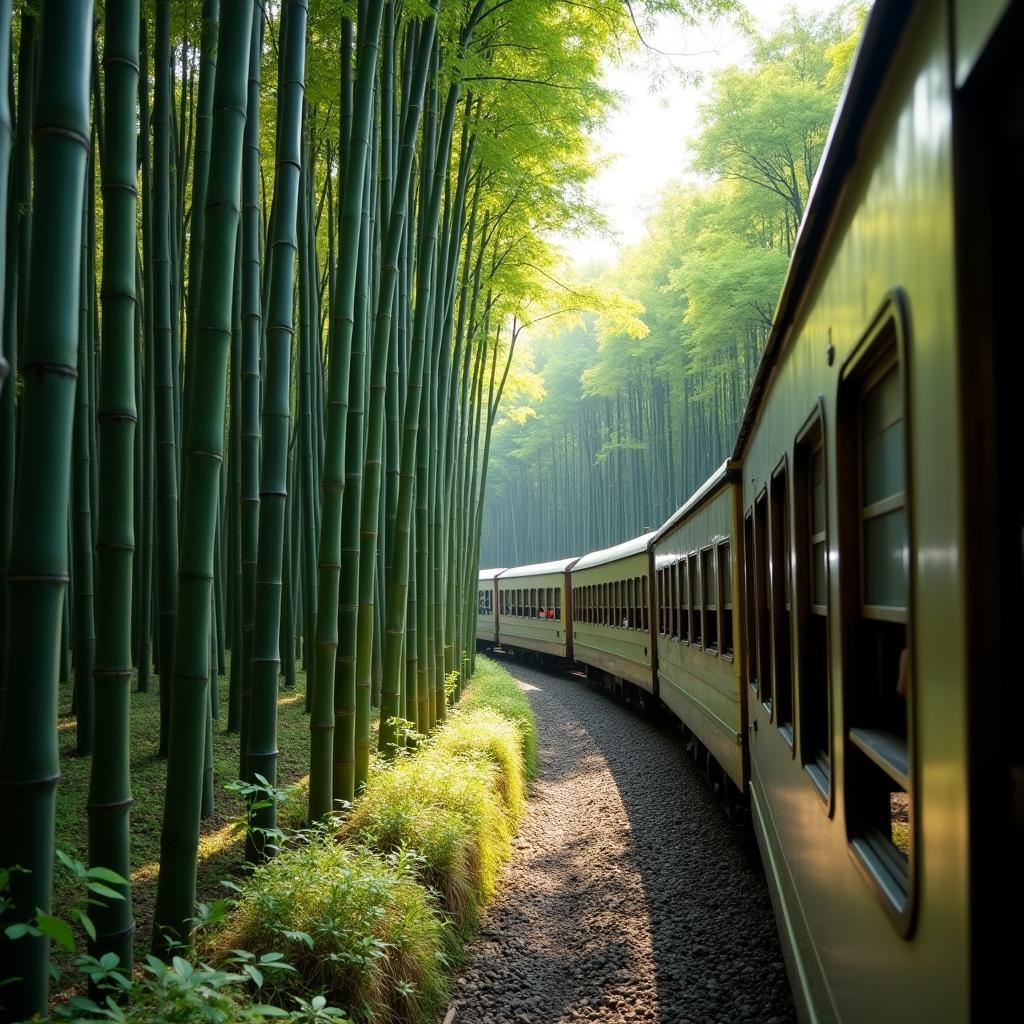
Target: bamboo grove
263 270
619 421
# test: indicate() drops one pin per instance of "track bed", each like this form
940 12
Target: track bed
629 896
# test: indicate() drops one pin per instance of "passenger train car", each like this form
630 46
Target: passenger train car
833 616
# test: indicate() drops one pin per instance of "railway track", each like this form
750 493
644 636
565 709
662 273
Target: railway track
629 896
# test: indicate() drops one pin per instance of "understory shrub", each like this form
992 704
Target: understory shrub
356 927
371 910
492 687
448 812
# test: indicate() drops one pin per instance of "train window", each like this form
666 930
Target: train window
725 585
480 602
684 595
748 600
673 598
638 614
812 605
874 540
762 601
695 603
709 586
643 598
558 603
781 603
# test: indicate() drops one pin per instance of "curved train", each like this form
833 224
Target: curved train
832 617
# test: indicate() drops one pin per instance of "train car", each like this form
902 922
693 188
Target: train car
882 780
698 584
487 609
611 631
533 615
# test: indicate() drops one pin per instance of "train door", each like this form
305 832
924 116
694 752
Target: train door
989 169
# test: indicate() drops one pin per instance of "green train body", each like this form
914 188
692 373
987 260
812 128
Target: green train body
833 616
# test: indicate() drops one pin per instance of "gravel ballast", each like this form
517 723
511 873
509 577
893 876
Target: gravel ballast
629 896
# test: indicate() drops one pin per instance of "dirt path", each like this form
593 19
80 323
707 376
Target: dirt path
628 896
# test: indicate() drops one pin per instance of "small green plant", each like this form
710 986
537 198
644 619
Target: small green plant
181 991
87 883
451 684
256 796
357 927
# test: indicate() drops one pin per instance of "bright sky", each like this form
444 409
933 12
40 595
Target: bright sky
647 139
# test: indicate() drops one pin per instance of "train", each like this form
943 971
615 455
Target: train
833 616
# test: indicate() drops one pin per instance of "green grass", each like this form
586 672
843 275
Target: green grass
455 802
492 687
388 907
356 927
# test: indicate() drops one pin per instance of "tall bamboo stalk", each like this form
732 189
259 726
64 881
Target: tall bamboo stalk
322 716
179 839
266 659
110 792
252 338
38 568
166 483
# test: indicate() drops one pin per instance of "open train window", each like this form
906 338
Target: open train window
875 542
695 602
638 586
748 598
709 586
725 590
673 599
643 603
762 596
812 603
684 597
781 603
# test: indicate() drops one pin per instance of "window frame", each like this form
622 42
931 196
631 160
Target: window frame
696 584
882 346
811 438
778 484
708 555
761 597
730 653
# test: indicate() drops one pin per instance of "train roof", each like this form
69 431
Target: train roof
882 34
539 568
727 472
613 554
489 574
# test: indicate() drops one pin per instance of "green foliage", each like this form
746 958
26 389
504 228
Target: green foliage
357 928
633 420
453 804
181 992
492 687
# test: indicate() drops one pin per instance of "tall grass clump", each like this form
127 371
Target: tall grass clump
449 814
489 737
492 687
358 928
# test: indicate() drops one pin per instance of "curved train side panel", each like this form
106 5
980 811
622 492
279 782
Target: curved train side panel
612 629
